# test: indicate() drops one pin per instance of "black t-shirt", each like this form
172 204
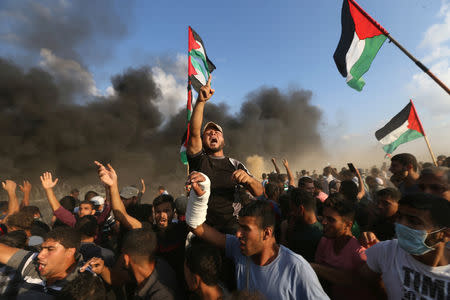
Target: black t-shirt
221 212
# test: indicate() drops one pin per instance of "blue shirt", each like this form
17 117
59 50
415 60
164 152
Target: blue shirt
288 276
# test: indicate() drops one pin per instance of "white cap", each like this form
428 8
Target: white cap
98 200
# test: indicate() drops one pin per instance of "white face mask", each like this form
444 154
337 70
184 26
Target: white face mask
413 240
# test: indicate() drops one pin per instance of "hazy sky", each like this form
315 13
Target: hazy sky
284 44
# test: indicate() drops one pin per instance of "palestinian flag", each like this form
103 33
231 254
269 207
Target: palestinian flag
199 69
402 128
361 38
199 66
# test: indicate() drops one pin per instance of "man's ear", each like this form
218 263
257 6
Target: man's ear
267 233
70 252
93 212
126 260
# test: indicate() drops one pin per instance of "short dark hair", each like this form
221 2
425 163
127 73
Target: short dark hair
304 180
31 209
21 220
340 204
262 210
85 286
39 228
264 175
163 198
161 187
87 226
406 159
302 198
318 185
140 244
272 190
16 239
89 194
204 260
66 236
438 207
74 190
390 192
68 202
88 202
350 190
181 205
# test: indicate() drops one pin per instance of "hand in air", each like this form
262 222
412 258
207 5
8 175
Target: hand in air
26 187
206 91
9 186
106 174
47 181
193 179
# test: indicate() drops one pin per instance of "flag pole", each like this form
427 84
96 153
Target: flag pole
406 52
424 135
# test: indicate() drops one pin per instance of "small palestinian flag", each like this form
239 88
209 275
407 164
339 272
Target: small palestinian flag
402 128
361 38
199 65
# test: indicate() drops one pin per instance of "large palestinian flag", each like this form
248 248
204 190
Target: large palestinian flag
361 38
402 128
199 69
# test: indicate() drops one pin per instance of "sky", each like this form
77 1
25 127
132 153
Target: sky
283 44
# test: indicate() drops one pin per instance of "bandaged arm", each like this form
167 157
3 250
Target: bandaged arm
196 215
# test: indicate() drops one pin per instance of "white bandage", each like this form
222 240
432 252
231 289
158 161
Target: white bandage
198 205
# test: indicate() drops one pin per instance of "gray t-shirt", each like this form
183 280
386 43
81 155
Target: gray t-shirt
288 276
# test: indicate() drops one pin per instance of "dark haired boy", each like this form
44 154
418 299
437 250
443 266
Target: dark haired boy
339 253
43 274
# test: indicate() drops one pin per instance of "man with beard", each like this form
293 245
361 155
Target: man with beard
205 154
43 274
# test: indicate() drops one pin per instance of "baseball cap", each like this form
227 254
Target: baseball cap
212 124
98 200
129 192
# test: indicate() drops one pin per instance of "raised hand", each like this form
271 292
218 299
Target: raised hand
26 187
9 186
107 175
47 181
285 163
193 179
143 186
206 91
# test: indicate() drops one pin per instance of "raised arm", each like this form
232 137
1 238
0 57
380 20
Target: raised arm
109 177
289 172
26 189
13 204
361 189
196 210
275 165
195 139
48 184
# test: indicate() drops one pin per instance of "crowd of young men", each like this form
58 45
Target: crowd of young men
351 234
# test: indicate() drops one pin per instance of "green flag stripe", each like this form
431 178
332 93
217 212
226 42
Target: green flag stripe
404 138
362 65
200 55
198 67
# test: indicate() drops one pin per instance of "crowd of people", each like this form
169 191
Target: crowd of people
381 233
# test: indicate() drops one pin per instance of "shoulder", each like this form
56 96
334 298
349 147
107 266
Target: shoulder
290 257
381 255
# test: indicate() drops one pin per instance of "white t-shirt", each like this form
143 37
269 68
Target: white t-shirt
406 278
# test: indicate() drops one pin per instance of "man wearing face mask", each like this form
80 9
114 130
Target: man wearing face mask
416 264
